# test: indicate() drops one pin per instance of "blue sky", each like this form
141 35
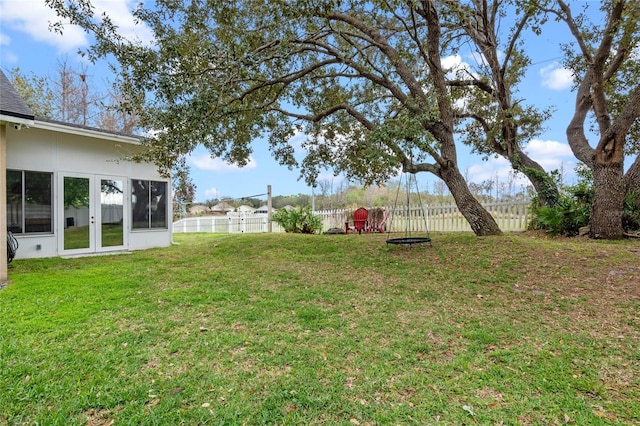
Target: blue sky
26 42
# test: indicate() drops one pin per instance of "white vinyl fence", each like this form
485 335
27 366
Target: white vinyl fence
510 216
233 223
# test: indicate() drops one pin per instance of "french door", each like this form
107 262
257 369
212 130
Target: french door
92 215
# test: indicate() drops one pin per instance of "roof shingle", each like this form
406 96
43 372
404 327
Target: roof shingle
11 103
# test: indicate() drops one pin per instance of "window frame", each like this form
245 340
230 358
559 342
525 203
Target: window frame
23 204
150 211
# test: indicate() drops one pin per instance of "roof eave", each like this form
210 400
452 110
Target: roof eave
16 119
80 131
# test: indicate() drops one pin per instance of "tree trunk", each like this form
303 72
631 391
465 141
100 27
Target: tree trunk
609 192
543 183
481 221
632 178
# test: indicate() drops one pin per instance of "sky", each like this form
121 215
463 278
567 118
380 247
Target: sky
27 43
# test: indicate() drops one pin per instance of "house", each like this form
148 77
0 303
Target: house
245 209
222 208
263 209
198 210
70 190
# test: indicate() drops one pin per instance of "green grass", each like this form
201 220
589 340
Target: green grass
78 238
313 329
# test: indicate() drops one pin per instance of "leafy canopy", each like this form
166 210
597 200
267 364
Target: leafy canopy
361 80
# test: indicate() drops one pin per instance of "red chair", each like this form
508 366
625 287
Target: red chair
359 221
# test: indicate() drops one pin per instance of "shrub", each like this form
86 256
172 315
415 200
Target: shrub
300 220
565 218
571 212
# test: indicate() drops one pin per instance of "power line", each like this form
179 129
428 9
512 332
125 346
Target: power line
545 60
252 196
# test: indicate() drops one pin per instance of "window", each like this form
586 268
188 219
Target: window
29 207
148 204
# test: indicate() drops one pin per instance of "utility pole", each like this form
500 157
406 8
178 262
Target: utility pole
269 224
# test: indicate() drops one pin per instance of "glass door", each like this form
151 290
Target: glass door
78 231
111 214
93 213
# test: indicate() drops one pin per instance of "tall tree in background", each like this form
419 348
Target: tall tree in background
490 119
71 96
113 116
36 92
184 190
605 60
76 100
363 80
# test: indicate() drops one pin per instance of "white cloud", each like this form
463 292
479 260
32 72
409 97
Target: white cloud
451 61
211 193
120 13
9 57
456 67
551 155
205 162
488 170
6 55
556 78
540 147
32 17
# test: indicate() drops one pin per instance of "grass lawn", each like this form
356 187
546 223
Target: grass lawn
309 329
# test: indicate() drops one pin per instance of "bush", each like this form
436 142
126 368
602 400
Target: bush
571 212
566 218
300 220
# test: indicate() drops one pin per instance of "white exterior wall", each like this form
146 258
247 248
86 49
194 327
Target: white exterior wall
50 147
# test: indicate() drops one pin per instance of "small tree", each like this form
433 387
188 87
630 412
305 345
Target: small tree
184 190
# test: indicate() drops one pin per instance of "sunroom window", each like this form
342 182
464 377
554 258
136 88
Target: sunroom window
29 202
148 204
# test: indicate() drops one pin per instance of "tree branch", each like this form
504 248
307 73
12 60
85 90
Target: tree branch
512 43
491 141
482 85
287 79
399 65
363 72
611 145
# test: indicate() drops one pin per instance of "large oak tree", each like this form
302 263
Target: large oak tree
363 80
605 60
